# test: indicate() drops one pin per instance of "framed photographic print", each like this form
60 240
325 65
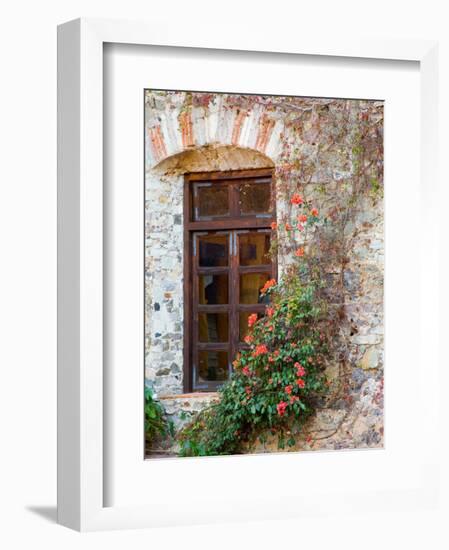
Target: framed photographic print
241 276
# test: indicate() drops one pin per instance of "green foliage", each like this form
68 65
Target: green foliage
278 380
156 425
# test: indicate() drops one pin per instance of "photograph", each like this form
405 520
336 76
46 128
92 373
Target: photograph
264 272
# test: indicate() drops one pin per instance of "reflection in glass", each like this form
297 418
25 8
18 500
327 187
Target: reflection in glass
213 250
213 327
211 201
213 289
254 248
213 365
254 197
250 285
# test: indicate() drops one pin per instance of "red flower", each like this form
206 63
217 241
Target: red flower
281 408
314 212
274 226
270 359
302 218
300 382
252 319
299 252
300 370
296 199
260 350
288 389
294 398
270 311
248 390
276 352
246 371
248 339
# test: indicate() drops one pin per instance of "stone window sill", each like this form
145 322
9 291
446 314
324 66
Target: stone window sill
195 395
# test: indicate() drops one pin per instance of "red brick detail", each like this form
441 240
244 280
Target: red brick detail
238 123
266 126
157 143
186 125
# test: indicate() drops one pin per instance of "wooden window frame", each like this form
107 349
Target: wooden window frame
238 224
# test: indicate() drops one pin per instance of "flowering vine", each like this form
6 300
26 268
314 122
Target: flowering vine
278 378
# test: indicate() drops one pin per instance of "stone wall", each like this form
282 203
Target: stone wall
312 144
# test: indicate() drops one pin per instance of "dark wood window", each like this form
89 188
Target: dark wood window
228 218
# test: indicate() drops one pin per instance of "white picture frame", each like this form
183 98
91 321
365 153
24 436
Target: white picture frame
81 431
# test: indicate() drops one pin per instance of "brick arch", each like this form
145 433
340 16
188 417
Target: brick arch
180 127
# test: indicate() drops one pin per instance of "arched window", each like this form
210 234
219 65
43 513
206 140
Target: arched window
227 234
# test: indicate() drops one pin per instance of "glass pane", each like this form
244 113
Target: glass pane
213 365
213 250
213 289
254 248
213 327
211 201
243 323
254 198
250 285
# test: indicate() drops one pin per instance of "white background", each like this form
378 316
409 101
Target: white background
28 274
132 481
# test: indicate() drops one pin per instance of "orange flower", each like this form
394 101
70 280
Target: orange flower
260 350
235 363
267 285
288 227
252 319
299 252
274 226
300 382
302 218
296 199
314 212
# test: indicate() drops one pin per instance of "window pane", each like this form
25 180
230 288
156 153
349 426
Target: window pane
213 250
213 289
254 198
211 201
250 285
213 365
213 327
254 248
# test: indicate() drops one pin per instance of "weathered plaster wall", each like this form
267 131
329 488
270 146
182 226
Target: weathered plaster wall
312 144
